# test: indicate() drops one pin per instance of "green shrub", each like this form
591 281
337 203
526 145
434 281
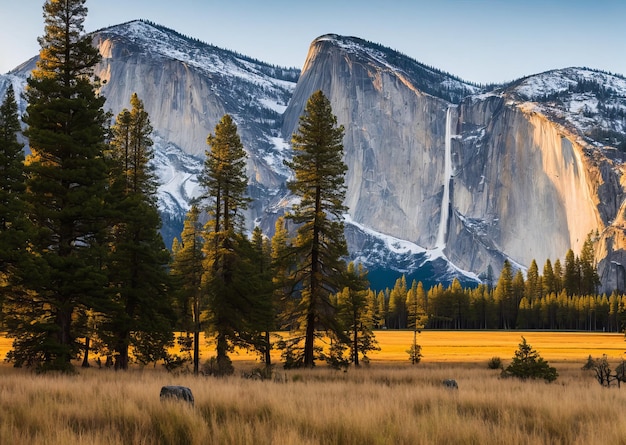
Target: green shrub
527 364
494 363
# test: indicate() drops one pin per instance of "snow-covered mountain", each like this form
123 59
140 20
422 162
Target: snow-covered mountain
446 179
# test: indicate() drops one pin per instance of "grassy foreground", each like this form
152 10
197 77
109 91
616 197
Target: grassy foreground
388 402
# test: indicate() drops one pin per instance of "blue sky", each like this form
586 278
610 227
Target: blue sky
478 40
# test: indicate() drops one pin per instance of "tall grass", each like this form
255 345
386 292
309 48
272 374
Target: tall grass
377 405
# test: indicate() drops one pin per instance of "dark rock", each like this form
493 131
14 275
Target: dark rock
450 384
177 393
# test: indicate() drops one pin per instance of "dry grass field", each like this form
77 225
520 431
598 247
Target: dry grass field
388 402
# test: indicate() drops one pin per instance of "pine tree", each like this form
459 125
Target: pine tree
282 279
320 243
548 279
558 276
12 187
533 291
383 309
504 296
139 311
417 317
264 317
528 364
225 181
571 276
356 314
397 317
187 271
415 300
519 287
459 303
589 274
66 189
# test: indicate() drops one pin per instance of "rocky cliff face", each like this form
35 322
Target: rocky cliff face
522 186
517 173
394 136
444 177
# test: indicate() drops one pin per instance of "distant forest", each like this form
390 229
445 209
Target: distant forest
563 297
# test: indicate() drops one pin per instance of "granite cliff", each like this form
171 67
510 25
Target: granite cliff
446 178
524 171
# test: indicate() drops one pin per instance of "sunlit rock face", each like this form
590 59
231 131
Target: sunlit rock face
527 179
522 186
394 139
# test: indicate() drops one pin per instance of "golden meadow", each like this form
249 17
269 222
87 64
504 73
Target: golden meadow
389 401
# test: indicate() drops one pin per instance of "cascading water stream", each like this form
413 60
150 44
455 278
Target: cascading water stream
447 178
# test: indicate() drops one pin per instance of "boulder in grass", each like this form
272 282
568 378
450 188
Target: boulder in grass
177 393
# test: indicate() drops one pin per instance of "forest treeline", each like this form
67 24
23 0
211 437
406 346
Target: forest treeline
561 298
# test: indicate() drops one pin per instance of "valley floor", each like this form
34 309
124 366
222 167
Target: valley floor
389 401
381 404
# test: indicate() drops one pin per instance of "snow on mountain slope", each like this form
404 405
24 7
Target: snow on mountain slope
590 102
187 86
274 85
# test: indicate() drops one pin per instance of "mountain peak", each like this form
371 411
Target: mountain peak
425 78
159 41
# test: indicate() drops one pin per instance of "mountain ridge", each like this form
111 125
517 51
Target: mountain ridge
367 90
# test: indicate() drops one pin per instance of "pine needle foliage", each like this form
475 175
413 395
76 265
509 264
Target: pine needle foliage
186 271
357 314
138 310
12 187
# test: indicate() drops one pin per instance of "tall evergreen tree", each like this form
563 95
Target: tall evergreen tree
417 318
282 279
548 279
229 296
397 317
187 271
415 301
533 290
571 275
320 243
66 185
558 276
139 311
12 187
265 308
589 274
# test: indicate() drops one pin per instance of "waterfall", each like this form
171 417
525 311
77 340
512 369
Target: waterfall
447 178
